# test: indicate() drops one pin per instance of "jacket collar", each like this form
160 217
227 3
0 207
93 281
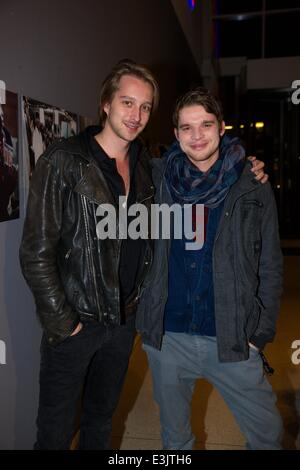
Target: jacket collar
93 184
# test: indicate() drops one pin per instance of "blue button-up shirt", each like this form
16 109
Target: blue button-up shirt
190 304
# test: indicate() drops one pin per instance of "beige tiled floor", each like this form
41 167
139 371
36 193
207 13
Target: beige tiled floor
136 422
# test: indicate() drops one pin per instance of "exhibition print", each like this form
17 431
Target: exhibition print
9 165
44 124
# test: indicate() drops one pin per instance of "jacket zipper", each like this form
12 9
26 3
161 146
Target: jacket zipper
145 199
86 226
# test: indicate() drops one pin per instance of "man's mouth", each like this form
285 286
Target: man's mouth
199 146
132 126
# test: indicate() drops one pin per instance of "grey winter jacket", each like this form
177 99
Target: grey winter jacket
247 270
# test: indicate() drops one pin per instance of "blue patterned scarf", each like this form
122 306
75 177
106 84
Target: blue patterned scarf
188 185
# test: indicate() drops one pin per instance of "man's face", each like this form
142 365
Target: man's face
199 135
130 109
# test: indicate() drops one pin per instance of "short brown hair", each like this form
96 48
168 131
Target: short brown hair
111 83
198 96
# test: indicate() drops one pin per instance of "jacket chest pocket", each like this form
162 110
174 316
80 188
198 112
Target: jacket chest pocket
251 214
251 208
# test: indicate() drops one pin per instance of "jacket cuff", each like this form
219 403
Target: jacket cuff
58 335
259 341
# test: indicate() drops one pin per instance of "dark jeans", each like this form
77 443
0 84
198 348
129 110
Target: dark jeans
93 362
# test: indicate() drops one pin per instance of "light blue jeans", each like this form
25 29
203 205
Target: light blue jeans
185 358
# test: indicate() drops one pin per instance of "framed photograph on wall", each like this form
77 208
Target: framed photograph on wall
44 124
9 164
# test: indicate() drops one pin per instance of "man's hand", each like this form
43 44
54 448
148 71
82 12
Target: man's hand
77 329
258 170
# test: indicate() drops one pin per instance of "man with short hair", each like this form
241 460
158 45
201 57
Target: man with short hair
86 289
209 312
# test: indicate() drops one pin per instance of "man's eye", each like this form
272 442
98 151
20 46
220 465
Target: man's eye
146 108
127 103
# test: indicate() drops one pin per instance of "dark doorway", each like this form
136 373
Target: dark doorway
269 124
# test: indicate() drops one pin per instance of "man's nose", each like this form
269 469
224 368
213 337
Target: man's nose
197 133
136 114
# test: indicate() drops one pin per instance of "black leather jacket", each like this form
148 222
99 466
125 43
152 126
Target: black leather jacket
69 270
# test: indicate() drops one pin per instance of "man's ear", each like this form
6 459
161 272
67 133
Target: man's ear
222 128
106 108
176 132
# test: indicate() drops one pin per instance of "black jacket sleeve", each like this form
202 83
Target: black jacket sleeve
38 251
